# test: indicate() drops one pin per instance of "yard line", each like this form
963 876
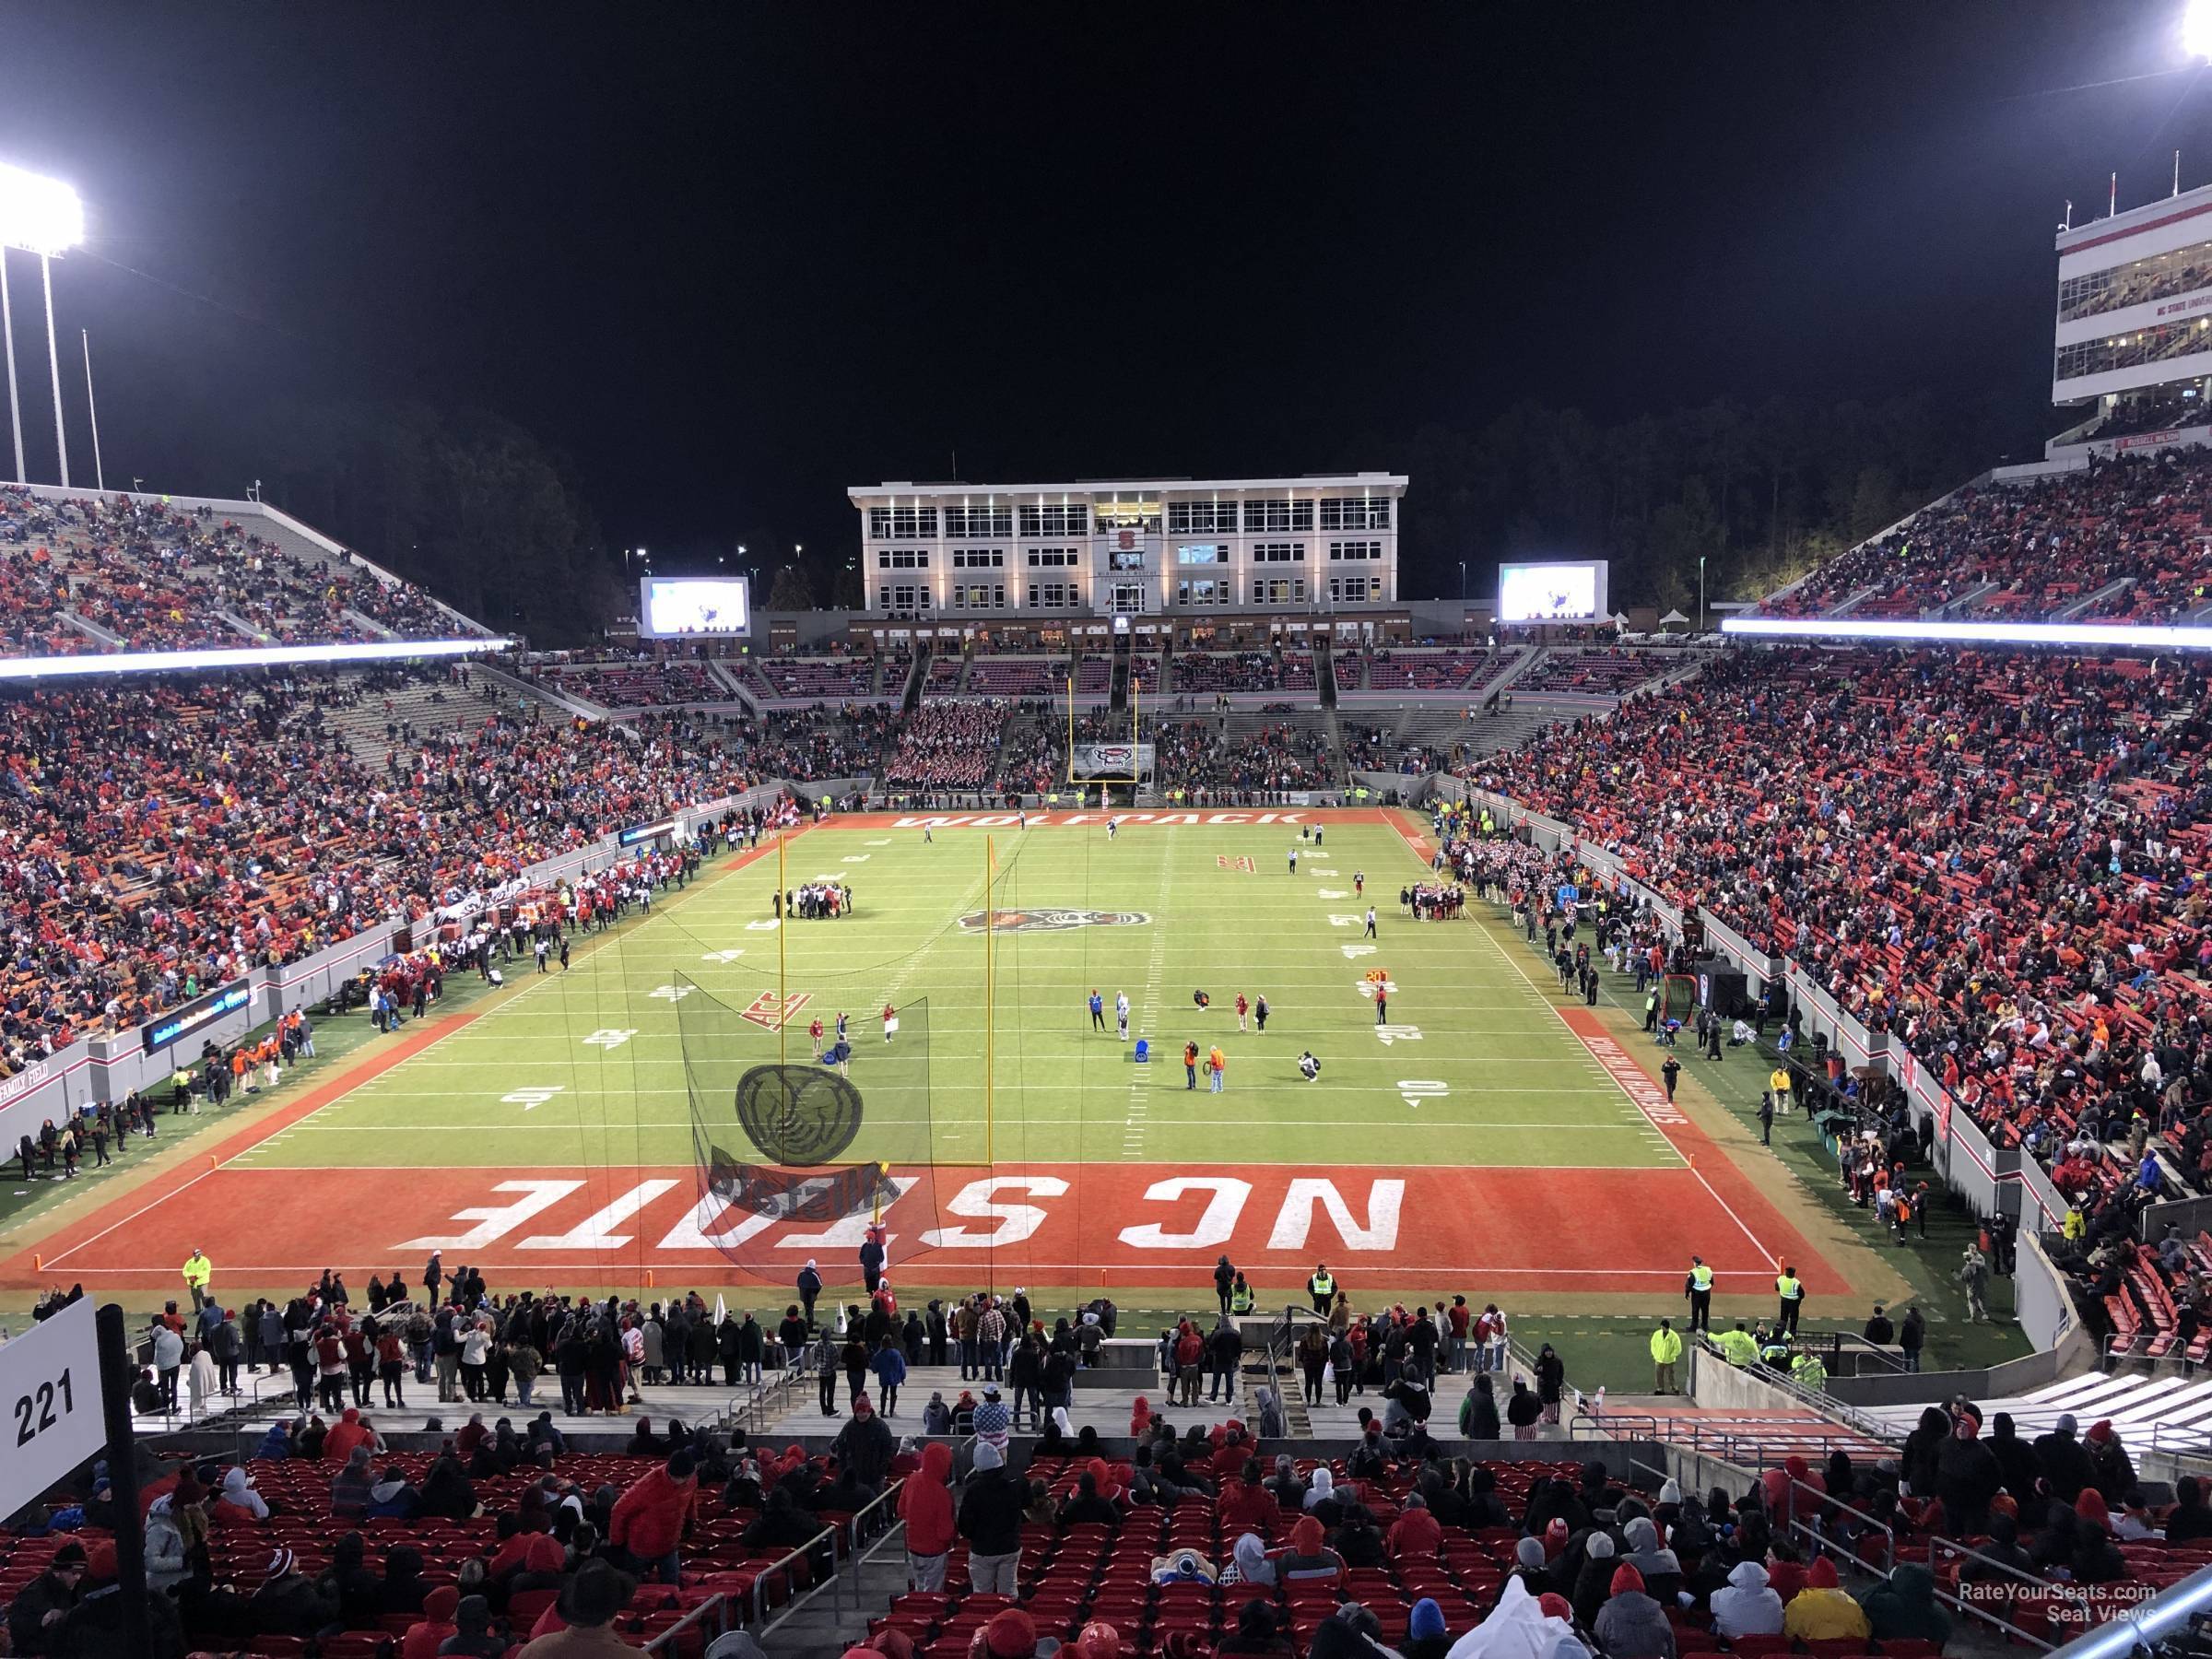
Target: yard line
1432 1120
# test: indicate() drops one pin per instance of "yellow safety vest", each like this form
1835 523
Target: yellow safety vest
1667 1346
1321 1284
1789 1288
1701 1278
1240 1301
196 1270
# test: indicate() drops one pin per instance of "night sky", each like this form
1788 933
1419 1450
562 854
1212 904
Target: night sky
730 259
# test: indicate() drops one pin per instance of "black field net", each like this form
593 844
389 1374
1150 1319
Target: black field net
800 1153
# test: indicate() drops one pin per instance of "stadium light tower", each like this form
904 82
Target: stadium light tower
43 216
2196 28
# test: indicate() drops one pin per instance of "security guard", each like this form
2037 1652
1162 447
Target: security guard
1773 1349
199 1270
1779 1081
1739 1345
1667 1353
1697 1287
1321 1287
1791 1289
1239 1297
1808 1374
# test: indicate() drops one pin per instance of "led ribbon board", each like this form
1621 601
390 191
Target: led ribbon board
263 656
180 1023
2123 635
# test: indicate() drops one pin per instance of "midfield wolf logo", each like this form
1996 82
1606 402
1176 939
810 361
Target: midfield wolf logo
1053 921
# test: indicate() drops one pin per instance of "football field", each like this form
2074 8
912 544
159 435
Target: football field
561 1131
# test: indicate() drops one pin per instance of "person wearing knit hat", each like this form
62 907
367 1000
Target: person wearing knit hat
2116 1471
438 1608
990 1518
1426 1635
1098 1639
1594 1582
1821 1611
1631 1625
1552 1605
94 1624
1009 1634
1309 1555
2065 1461
474 1639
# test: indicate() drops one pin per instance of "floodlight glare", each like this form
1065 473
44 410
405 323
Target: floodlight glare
2196 28
40 216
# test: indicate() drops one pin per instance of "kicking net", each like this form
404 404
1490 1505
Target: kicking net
800 1155
1677 998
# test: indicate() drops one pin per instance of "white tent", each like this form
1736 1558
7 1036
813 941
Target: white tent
1673 618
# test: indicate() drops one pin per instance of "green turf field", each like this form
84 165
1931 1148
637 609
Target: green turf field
587 1067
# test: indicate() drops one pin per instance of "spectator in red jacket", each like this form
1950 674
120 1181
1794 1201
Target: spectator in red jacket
423 1641
338 1444
1415 1532
1247 1504
648 1519
926 1505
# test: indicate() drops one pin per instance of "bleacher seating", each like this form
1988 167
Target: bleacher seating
717 1562
2027 552
158 577
134 877
1994 856
809 679
1610 672
1199 755
1400 669
639 685
1018 676
1216 671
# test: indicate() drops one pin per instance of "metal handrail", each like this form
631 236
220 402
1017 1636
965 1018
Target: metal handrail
1971 1610
1823 1505
1818 1400
665 1642
765 1574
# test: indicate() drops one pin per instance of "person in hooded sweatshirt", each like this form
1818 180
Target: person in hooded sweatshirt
2016 1458
1748 1606
2097 1560
926 1505
1631 1625
1658 1566
1905 1608
1415 1533
1309 1557
1822 1612
1924 1446
1249 1563
2066 1463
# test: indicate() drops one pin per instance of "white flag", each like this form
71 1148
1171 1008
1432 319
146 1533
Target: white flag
722 1308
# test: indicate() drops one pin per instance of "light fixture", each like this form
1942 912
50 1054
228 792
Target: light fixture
39 215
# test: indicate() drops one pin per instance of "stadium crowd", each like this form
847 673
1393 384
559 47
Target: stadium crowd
159 576
167 837
1202 760
2000 858
950 746
2046 545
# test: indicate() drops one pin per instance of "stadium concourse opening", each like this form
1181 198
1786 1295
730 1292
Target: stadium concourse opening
678 1104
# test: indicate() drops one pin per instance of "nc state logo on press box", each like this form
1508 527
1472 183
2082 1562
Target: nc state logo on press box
1053 921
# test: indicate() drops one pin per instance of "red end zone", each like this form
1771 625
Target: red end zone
1526 1230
